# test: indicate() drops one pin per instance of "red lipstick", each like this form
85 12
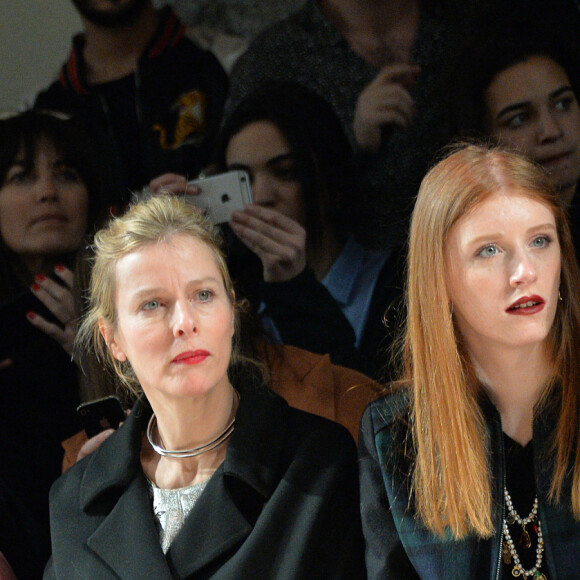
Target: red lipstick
191 357
527 305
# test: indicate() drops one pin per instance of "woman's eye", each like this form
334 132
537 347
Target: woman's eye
541 242
286 173
564 104
151 305
488 251
517 120
18 176
205 295
68 174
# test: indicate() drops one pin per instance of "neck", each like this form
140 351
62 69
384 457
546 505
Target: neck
371 16
39 264
113 53
321 258
514 381
185 424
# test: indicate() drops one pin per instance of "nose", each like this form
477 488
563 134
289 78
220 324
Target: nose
185 322
524 270
548 127
46 188
262 190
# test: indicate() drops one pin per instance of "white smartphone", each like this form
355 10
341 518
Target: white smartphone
222 194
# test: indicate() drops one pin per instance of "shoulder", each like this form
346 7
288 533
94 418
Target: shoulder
386 423
54 96
187 56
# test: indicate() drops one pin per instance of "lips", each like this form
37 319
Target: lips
527 305
49 217
191 357
554 159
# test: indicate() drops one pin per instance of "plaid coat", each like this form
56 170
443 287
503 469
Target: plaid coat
398 545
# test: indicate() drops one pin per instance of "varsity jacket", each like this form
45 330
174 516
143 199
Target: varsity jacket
163 118
398 545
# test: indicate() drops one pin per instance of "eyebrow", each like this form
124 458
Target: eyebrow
517 106
496 236
269 163
149 291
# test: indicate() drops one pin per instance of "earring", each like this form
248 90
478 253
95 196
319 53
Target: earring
560 297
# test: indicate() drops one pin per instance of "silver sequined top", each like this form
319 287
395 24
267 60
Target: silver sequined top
171 507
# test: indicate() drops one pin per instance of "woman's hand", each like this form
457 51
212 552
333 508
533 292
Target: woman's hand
172 183
60 301
384 101
92 444
279 241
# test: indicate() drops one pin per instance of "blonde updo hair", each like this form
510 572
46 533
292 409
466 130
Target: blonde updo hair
155 220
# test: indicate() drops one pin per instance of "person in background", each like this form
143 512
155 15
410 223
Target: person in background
227 26
521 88
319 288
49 203
150 97
470 465
377 64
207 446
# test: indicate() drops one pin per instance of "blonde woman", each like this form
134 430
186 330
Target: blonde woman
212 475
470 466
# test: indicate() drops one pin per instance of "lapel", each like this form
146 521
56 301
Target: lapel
213 528
128 540
113 486
234 497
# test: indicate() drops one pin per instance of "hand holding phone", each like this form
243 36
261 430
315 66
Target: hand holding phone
221 195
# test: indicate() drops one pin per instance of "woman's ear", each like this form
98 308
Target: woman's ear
108 333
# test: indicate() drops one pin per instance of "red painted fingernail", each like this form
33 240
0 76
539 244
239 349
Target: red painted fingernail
40 278
59 268
30 315
35 287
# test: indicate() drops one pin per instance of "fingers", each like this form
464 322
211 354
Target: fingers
57 298
65 275
94 443
172 183
277 240
385 101
404 73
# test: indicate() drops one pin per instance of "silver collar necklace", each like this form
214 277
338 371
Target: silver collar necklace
194 451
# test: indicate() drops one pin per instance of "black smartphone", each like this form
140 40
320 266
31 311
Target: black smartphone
105 413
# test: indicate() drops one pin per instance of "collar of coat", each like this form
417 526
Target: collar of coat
169 32
252 460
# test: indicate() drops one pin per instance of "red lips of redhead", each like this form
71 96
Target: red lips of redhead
516 307
191 357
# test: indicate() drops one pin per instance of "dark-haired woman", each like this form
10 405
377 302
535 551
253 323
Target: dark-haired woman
321 290
48 199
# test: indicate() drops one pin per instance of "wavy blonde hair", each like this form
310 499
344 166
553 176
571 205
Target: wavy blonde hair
155 220
451 480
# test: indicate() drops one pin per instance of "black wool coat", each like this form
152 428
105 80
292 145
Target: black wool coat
283 505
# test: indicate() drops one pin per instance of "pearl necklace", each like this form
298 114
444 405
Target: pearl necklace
509 552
